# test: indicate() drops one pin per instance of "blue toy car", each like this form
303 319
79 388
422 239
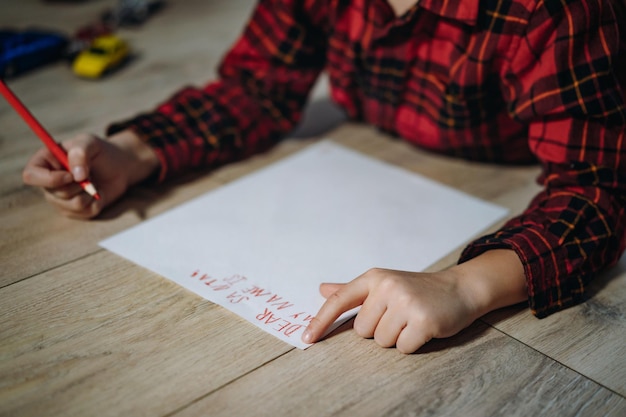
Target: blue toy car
21 51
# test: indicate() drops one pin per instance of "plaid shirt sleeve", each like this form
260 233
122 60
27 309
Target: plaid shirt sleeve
263 84
561 81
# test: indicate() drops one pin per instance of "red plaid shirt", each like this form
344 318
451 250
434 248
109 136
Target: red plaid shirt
499 81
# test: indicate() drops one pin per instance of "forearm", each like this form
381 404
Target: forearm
142 160
492 280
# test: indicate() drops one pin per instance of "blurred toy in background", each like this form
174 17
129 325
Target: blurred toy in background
84 36
94 49
131 12
105 54
21 51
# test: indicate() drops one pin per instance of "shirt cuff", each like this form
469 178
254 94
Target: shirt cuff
550 285
160 134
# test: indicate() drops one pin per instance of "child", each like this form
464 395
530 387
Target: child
509 82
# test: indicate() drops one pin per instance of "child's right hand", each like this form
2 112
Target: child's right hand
112 165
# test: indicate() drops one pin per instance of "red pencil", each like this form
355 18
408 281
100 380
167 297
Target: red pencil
56 149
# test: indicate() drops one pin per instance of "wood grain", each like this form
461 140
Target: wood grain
480 372
84 332
589 338
101 336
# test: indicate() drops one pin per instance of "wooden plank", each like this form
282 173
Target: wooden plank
101 336
480 372
589 338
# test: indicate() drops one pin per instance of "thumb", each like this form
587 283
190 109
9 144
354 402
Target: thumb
80 152
329 288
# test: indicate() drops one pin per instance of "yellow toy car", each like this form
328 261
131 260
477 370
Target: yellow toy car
106 53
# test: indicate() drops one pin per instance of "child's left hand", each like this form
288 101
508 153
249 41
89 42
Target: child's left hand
407 309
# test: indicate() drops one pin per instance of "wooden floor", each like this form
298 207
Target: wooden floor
86 333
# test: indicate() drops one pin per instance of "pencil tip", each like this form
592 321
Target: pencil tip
91 190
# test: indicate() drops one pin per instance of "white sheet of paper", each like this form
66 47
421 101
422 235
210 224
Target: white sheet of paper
260 246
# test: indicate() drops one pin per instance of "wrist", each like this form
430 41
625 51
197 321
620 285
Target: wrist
142 162
492 280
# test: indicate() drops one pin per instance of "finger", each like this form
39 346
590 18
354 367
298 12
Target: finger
44 158
369 316
81 206
412 338
77 159
349 296
66 192
391 324
87 214
327 289
80 151
90 211
38 170
39 176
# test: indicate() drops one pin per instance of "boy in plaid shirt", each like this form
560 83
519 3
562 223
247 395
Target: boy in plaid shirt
510 82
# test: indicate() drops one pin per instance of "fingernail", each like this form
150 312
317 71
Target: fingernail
67 177
79 173
307 337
